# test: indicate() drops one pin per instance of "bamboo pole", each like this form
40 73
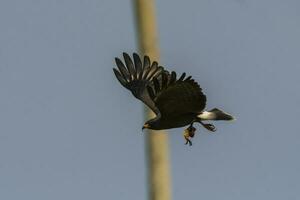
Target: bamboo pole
156 141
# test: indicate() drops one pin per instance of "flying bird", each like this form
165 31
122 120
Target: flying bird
176 102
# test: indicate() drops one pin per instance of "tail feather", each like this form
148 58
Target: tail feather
215 114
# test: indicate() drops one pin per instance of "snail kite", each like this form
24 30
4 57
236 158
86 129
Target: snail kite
177 102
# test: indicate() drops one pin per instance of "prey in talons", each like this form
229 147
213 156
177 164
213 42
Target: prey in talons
189 133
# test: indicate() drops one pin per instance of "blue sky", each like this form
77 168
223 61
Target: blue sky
68 130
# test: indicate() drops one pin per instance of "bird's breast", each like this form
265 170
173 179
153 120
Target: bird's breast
176 121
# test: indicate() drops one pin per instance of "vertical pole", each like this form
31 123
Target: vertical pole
156 141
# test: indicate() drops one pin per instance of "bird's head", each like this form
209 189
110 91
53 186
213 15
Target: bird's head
152 124
147 126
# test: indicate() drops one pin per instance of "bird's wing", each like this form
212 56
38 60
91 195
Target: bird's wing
174 96
137 75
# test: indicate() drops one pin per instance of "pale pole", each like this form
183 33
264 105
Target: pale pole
156 141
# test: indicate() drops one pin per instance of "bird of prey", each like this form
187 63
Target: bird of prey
177 102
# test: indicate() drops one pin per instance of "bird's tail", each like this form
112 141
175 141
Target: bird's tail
215 114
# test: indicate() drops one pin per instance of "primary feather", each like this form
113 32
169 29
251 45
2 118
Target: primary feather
137 76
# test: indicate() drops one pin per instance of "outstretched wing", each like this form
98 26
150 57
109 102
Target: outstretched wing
137 75
174 97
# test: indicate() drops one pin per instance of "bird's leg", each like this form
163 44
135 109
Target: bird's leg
189 133
209 127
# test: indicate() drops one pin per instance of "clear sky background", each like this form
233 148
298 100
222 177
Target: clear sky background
68 130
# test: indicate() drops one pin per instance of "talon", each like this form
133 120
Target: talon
209 127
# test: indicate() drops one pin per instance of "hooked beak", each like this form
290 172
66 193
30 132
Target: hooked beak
145 126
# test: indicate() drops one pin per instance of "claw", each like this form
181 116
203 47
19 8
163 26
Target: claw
209 127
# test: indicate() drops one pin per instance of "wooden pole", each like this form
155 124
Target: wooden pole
156 141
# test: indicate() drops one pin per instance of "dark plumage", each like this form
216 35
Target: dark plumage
177 102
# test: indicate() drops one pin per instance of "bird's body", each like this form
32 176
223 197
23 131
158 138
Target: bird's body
161 123
177 102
